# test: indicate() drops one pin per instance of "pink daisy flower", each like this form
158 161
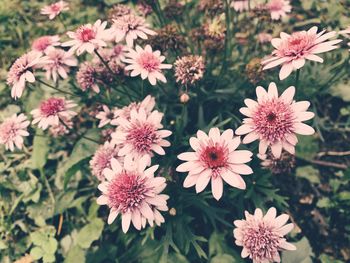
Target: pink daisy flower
262 237
87 77
54 9
57 62
88 38
42 43
102 159
106 116
21 71
146 63
279 8
132 191
264 37
147 105
12 131
215 159
131 27
141 135
52 111
293 50
240 5
275 120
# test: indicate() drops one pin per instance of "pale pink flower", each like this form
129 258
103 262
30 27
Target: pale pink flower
264 37
292 50
147 104
278 8
262 237
57 62
42 43
54 9
102 159
87 77
88 38
240 5
141 135
215 159
12 131
130 27
106 115
274 120
21 71
146 63
132 191
52 111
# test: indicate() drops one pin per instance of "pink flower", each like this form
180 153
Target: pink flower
52 111
62 128
42 43
279 8
292 50
262 237
147 105
133 192
88 38
87 77
264 37
106 116
102 159
22 71
57 62
215 159
146 63
54 9
131 27
12 131
240 5
141 135
275 120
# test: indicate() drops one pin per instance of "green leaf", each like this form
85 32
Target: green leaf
90 233
75 254
327 259
307 148
36 253
3 245
49 258
324 202
303 253
50 246
344 196
38 238
40 150
309 173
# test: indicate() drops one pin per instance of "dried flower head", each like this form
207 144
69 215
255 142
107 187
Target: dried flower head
254 71
189 69
87 77
283 165
167 38
173 10
117 11
213 7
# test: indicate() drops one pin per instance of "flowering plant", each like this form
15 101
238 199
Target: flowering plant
161 131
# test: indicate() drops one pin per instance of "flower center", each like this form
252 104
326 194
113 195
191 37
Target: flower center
85 33
261 242
149 62
142 137
55 7
297 45
42 43
273 120
214 156
126 191
52 106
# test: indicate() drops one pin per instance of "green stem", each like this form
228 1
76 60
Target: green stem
57 89
61 20
47 184
297 76
142 88
227 37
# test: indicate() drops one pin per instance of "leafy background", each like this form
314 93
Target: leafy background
48 197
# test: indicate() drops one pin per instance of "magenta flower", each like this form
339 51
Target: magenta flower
102 159
278 8
132 191
88 38
130 27
141 135
106 116
293 50
54 9
21 71
262 237
52 111
12 131
42 43
215 159
146 63
57 63
275 120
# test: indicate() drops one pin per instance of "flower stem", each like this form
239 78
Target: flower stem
47 184
61 20
297 76
57 89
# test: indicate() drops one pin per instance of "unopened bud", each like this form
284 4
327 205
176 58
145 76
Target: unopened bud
184 98
172 211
